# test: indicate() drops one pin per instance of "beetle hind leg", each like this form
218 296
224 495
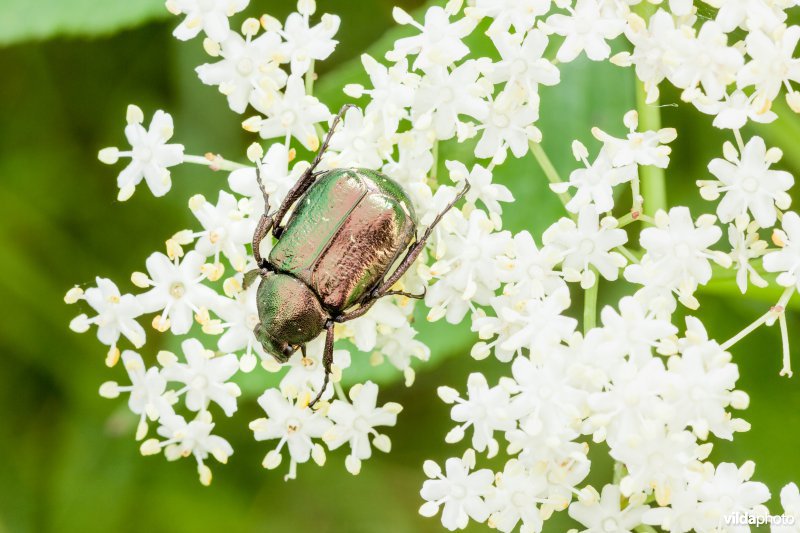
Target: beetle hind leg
415 249
327 361
406 294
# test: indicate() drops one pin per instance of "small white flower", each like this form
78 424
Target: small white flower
177 291
680 247
294 425
412 165
438 44
444 95
210 16
481 186
522 61
587 244
772 62
306 374
226 229
530 269
461 271
194 438
790 500
587 29
292 115
276 175
384 317
595 183
355 424
735 110
654 42
116 314
633 331
486 410
508 124
356 143
699 388
247 71
749 184
657 460
239 316
306 43
521 14
393 91
545 397
460 492
148 391
706 61
608 514
400 347
730 492
746 246
205 377
150 154
642 148
516 498
787 260
523 322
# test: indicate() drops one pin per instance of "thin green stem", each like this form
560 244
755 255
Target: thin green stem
653 182
337 386
633 216
619 472
777 311
644 528
630 256
549 171
590 306
214 161
310 77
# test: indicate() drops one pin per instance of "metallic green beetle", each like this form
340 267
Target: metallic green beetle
333 258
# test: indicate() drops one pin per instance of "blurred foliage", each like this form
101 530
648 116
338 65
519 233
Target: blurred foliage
69 459
22 20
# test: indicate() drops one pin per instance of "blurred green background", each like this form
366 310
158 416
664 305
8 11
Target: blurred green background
68 460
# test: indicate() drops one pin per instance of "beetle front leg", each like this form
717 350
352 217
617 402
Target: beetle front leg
262 230
327 361
264 223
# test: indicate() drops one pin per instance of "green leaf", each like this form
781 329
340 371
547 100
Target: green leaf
24 20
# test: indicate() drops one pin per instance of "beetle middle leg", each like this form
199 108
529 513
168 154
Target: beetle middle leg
309 176
327 361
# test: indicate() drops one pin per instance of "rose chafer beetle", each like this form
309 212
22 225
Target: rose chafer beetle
333 259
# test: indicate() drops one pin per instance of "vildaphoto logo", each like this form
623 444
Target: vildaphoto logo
747 519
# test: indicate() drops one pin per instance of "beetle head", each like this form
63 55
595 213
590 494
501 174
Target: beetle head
290 314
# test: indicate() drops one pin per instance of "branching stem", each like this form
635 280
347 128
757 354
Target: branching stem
215 162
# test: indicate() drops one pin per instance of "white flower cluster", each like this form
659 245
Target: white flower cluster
652 396
196 290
